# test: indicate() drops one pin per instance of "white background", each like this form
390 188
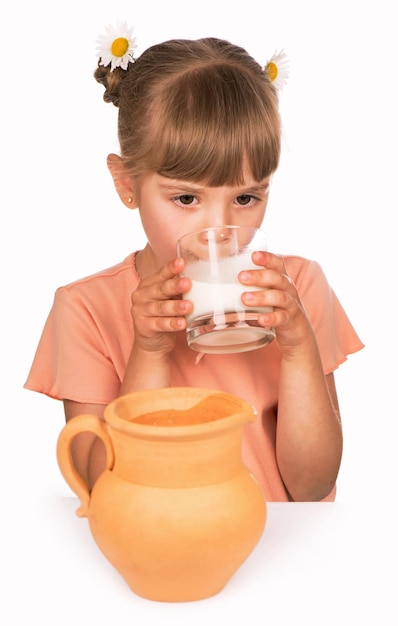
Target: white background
333 199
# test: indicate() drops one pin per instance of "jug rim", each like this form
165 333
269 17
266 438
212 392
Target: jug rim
182 397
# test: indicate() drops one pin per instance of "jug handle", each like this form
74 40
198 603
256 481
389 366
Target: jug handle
79 424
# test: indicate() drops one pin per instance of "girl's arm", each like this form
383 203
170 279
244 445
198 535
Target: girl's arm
157 313
309 434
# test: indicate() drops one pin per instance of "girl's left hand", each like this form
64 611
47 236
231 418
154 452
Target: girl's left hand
288 318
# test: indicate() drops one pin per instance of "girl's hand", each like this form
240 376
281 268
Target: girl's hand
158 310
288 318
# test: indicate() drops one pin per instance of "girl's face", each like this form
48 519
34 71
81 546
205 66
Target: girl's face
171 208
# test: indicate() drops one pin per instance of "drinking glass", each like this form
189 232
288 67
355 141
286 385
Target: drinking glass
220 323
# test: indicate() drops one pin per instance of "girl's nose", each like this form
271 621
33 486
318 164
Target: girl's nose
218 234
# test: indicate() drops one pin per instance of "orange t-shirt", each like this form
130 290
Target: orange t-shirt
88 336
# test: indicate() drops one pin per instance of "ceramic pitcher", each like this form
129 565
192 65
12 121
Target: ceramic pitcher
176 511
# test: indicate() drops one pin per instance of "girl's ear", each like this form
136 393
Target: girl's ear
122 181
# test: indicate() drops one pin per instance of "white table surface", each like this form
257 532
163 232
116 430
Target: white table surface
317 563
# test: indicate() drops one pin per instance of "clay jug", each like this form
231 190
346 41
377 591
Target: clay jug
176 511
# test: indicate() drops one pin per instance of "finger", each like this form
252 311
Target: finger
268 279
160 290
171 288
275 298
269 260
151 326
170 270
274 319
168 308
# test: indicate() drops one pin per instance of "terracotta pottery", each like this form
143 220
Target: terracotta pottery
176 511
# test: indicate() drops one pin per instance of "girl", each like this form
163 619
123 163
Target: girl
200 136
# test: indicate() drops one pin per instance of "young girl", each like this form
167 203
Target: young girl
200 136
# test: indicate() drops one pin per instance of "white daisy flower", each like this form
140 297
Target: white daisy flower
277 69
117 46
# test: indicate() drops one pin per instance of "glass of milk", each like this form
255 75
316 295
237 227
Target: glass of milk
220 323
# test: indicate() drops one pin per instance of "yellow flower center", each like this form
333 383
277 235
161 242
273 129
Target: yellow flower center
120 46
272 71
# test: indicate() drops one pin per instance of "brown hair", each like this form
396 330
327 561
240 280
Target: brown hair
193 110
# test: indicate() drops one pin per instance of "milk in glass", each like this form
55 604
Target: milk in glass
217 290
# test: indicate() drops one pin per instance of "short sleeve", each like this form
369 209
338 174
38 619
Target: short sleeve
72 360
335 334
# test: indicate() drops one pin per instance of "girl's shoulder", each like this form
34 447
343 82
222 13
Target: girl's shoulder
115 275
302 269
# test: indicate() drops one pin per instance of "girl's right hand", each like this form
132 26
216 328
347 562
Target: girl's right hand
157 309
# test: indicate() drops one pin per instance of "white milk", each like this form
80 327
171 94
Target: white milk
216 290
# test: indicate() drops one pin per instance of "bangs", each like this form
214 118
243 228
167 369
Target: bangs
209 121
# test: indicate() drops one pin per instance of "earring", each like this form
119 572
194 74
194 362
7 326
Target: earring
129 200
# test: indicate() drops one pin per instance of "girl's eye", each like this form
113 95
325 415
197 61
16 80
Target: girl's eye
186 199
244 199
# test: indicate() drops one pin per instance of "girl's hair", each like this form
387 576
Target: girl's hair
195 110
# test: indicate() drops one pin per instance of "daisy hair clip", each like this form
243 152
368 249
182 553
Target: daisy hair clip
116 47
277 69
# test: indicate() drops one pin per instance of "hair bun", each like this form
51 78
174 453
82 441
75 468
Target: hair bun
111 81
